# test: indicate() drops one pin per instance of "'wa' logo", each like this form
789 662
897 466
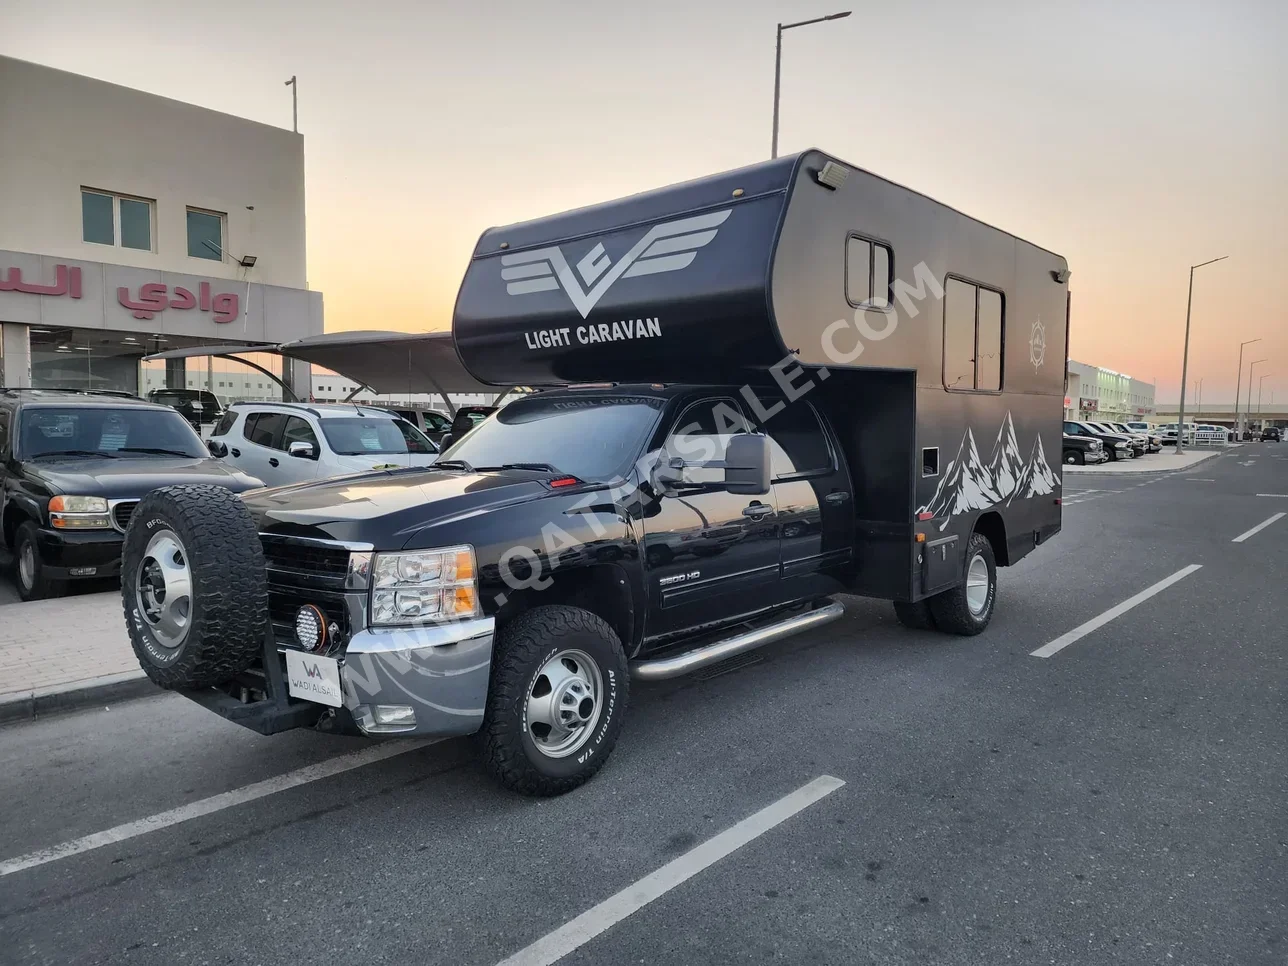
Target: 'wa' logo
1037 344
667 247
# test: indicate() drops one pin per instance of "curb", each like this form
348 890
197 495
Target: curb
27 705
1101 470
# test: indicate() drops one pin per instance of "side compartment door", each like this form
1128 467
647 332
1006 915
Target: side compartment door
710 556
814 500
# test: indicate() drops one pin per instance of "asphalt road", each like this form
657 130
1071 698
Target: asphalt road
1122 801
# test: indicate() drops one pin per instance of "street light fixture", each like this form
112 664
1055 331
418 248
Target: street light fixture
1185 360
1238 385
1260 386
778 64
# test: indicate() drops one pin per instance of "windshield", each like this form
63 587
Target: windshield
103 431
593 437
361 435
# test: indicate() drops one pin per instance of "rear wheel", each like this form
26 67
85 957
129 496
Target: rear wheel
556 701
29 569
968 607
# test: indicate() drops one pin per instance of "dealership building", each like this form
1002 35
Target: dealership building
132 224
1094 392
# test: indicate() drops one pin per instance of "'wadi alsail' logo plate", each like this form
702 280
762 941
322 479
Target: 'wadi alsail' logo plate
667 247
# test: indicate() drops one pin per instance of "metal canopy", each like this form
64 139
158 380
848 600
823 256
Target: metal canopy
384 362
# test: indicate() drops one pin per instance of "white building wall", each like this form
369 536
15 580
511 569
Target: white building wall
60 132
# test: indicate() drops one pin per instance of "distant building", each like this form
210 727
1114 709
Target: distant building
1098 393
132 223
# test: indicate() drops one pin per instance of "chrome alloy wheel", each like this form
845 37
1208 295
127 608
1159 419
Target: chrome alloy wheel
163 589
977 585
27 565
564 703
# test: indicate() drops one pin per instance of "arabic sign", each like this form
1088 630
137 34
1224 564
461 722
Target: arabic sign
1089 405
153 297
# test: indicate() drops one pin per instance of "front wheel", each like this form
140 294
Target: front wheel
968 607
1074 457
33 583
556 702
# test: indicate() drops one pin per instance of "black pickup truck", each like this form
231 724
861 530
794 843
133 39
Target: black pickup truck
683 488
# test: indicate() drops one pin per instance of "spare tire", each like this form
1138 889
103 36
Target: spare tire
193 585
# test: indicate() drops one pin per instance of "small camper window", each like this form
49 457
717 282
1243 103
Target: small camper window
973 337
867 272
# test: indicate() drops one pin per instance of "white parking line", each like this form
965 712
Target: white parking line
577 932
1277 496
1258 528
238 796
1078 633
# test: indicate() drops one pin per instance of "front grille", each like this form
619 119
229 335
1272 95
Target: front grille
305 558
121 514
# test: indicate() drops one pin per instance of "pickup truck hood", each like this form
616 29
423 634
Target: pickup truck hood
122 478
385 509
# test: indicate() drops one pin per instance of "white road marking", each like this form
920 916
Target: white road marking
1078 633
1195 479
215 803
577 932
1258 528
1277 496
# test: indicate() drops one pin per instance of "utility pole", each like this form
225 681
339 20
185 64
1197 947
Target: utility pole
778 65
295 104
1185 359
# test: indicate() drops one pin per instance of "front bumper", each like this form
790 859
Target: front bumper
440 671
74 554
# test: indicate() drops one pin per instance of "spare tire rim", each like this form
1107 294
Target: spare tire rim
27 565
564 703
977 584
163 589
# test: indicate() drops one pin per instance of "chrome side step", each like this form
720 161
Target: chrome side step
679 664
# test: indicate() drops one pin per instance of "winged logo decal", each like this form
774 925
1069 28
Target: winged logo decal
667 247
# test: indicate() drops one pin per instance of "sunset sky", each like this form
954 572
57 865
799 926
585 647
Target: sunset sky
1135 138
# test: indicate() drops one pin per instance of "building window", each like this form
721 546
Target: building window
973 337
110 219
206 234
867 272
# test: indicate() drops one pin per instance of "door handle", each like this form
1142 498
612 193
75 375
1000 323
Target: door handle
272 461
757 510
236 452
837 496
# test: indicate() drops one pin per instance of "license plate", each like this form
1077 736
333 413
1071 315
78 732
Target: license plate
313 678
197 406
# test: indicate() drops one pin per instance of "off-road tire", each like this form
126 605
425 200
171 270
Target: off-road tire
1074 457
42 586
228 616
951 609
916 616
523 647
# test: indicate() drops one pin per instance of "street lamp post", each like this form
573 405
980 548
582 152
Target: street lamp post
778 64
1251 366
1260 386
1185 360
1238 385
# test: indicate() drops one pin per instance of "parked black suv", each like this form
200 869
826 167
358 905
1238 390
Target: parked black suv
200 407
1271 434
1083 450
1118 446
72 469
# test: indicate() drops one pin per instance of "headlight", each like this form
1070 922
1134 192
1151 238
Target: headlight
79 513
419 585
1120 445
1095 444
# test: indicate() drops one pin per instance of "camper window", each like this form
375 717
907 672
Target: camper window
973 337
867 272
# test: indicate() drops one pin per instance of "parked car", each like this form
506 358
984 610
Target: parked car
285 443
1136 443
1116 446
1271 434
429 421
1153 444
1083 450
200 407
72 469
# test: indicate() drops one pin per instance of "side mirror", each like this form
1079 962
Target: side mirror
746 465
216 448
303 450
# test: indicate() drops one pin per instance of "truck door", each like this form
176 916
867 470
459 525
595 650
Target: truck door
710 556
812 494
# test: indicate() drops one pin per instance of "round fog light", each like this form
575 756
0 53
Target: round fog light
310 627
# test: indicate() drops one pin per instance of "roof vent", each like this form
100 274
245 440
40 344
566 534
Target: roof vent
833 175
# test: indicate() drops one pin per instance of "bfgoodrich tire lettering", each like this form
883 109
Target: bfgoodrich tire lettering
524 647
227 615
952 609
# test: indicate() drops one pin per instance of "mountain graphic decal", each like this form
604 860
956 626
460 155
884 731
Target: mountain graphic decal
1005 465
971 484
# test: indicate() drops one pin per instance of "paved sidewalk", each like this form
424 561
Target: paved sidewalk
65 653
1163 462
